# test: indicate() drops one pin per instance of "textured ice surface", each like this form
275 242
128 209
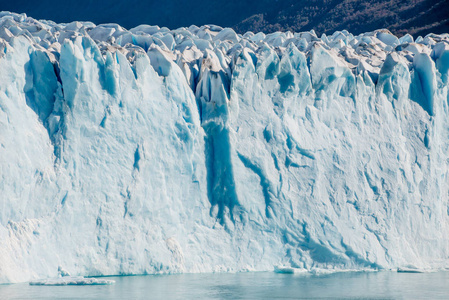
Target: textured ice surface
199 150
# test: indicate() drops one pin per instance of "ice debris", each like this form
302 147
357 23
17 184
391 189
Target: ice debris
72 280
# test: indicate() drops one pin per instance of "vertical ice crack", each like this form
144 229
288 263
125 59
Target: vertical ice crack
212 93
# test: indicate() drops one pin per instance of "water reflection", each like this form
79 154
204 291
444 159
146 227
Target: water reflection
265 285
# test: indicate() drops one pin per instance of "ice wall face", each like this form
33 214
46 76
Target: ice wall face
199 150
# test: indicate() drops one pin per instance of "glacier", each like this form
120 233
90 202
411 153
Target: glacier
154 151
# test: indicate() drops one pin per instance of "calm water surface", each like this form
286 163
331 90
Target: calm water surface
265 285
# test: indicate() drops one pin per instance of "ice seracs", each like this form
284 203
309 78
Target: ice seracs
198 149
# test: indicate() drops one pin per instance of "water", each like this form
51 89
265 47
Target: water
265 285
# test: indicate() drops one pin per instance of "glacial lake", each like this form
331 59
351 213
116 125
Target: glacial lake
256 285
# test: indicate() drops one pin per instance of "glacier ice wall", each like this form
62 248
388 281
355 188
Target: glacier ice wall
199 150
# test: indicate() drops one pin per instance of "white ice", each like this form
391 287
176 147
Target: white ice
150 150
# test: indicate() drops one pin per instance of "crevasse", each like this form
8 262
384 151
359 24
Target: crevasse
152 150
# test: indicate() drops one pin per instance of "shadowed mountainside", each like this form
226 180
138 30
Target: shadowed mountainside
417 17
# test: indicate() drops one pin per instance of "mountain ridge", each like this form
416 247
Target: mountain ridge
418 17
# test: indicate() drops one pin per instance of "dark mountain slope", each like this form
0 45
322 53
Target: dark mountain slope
417 17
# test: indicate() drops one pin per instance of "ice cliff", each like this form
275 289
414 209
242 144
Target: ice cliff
198 150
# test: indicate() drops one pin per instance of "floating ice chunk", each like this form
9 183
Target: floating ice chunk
289 270
412 270
72 280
